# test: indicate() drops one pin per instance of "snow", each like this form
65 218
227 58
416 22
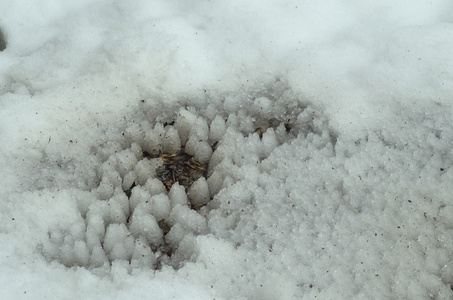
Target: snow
325 129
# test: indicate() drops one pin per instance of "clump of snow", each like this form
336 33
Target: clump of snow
199 192
184 124
217 129
177 195
172 142
153 142
146 169
200 150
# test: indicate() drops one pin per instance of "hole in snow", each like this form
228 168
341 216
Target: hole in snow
179 167
157 188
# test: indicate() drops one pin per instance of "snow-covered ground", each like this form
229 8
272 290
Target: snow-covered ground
331 177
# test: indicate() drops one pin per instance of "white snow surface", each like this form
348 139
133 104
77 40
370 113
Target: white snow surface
331 177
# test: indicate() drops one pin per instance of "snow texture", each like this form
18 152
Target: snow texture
325 129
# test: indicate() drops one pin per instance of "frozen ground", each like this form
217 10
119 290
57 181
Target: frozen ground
331 178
